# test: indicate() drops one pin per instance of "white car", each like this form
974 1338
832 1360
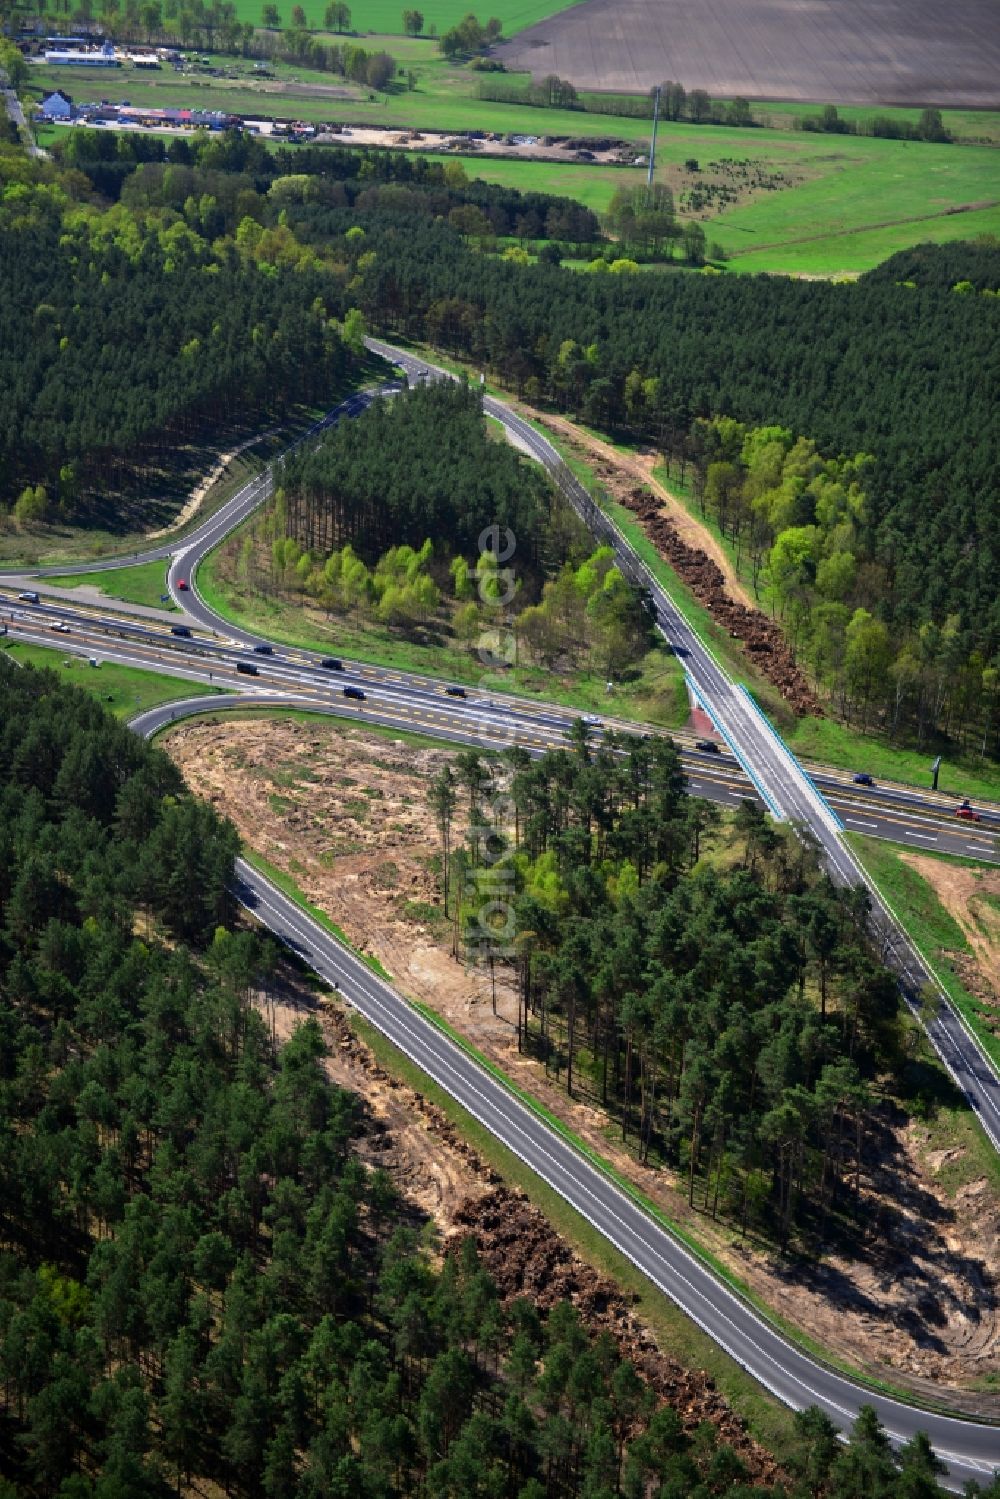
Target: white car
61 628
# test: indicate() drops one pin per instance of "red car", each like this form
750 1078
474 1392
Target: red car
182 585
967 814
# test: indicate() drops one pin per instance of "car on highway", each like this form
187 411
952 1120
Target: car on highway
456 692
181 630
863 779
264 650
707 746
61 627
248 668
28 598
354 692
966 813
332 663
182 585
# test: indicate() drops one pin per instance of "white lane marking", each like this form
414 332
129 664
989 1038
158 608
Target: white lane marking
859 823
909 833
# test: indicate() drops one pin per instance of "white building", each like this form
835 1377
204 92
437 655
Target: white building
57 106
73 58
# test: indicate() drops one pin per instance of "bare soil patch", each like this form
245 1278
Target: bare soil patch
972 898
345 814
856 52
617 469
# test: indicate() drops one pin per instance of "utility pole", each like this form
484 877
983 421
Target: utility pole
652 144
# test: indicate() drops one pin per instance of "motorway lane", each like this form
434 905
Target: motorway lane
915 818
781 782
970 1449
477 720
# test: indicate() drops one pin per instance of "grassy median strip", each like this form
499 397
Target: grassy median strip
145 584
127 690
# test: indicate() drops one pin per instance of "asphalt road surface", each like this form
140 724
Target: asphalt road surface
781 782
407 701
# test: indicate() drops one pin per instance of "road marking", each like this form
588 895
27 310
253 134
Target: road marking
858 822
931 837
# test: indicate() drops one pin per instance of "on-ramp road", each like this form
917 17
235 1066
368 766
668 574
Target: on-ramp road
970 1449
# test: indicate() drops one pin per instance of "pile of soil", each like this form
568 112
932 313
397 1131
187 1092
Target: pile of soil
761 636
528 1258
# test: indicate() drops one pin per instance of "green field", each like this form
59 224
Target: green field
386 16
125 689
133 585
847 202
847 208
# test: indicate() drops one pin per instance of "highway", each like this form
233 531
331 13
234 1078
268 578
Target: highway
781 782
406 701
294 678
778 778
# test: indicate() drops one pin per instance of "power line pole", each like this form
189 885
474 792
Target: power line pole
652 146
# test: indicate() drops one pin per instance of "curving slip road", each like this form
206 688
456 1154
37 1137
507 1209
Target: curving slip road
971 1449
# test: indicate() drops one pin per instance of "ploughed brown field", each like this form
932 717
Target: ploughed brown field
829 51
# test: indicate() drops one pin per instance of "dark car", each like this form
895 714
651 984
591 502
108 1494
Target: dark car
264 650
709 746
180 630
455 691
28 598
863 779
182 585
332 663
355 692
248 668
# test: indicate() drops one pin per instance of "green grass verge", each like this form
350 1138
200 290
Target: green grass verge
127 690
793 1333
836 744
933 930
657 695
144 584
768 1420
287 885
386 16
831 743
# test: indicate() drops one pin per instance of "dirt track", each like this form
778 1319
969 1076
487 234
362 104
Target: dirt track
855 52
